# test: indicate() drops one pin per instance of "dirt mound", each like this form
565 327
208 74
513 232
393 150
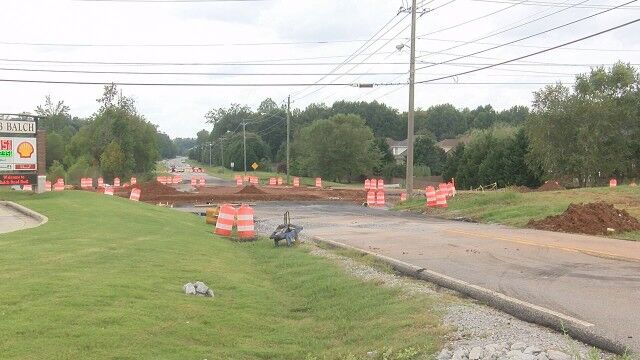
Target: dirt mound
551 186
251 190
150 190
592 219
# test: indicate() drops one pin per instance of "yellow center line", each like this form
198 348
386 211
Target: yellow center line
596 253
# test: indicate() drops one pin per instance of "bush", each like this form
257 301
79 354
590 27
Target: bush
56 171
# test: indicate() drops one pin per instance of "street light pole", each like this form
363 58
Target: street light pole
288 132
244 139
411 115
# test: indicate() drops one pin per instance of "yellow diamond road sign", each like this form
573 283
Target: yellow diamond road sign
254 166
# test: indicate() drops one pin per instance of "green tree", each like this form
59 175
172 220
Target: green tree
257 151
55 148
56 171
427 153
166 146
443 121
112 161
338 148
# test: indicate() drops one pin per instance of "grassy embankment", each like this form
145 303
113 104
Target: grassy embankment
103 279
226 174
516 209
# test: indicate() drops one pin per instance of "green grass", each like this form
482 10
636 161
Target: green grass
516 209
227 174
103 280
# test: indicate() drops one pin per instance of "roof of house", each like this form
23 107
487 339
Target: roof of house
397 143
448 144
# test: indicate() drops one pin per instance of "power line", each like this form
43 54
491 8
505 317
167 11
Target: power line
69 82
554 4
186 73
532 54
532 35
535 46
507 28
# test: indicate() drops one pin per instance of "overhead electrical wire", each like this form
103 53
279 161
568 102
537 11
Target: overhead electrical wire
555 4
530 36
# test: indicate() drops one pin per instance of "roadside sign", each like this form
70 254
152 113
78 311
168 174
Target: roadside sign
18 153
232 165
17 127
18 179
254 166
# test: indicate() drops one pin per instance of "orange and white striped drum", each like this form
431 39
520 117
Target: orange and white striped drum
296 182
226 219
135 195
246 226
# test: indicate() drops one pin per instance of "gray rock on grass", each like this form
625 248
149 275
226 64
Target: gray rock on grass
199 289
189 289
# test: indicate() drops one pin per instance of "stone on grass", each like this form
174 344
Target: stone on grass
199 289
557 355
189 289
475 353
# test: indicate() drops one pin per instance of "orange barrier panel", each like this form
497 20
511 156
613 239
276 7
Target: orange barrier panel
403 196
613 183
430 193
380 198
226 218
318 182
296 182
246 226
135 195
371 198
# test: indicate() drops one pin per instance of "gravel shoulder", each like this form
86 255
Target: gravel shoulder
478 332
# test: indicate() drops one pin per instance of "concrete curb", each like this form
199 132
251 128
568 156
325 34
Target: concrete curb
532 313
26 211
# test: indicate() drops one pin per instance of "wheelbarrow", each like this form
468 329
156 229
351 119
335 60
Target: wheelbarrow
286 231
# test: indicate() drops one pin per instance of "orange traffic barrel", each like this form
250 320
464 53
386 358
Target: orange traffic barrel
226 218
273 181
380 198
246 226
441 198
135 194
430 193
403 196
613 183
318 182
239 181
367 184
380 184
296 182
279 181
371 198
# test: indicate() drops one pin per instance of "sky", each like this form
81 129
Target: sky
295 42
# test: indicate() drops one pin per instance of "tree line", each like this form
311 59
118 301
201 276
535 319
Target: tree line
116 141
581 136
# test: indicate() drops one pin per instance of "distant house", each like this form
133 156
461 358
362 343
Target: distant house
449 144
398 149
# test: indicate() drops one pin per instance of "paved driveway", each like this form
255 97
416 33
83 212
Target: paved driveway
12 220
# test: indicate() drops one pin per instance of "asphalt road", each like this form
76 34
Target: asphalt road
210 180
595 280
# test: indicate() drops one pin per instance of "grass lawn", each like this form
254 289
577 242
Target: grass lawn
226 174
516 209
103 280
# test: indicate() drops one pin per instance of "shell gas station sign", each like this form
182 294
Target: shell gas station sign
18 154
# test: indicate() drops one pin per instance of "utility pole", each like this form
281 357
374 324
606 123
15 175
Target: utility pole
288 132
244 139
222 154
210 146
411 115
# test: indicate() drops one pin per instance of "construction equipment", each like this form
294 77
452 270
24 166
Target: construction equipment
286 231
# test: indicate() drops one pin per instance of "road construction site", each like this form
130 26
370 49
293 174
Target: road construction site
556 279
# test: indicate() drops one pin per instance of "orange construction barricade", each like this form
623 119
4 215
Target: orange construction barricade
367 184
47 186
108 190
380 198
246 226
239 181
202 181
430 193
280 182
296 181
135 195
273 182
403 196
441 198
373 184
380 184
318 182
116 182
613 183
371 198
226 218
100 182
194 181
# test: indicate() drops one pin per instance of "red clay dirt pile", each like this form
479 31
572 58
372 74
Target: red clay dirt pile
550 186
251 190
153 189
592 219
